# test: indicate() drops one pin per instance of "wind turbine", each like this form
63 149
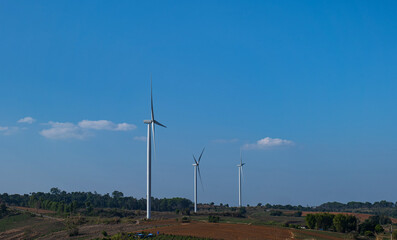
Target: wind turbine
150 124
196 168
240 173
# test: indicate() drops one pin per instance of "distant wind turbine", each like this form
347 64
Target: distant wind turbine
197 168
150 124
240 173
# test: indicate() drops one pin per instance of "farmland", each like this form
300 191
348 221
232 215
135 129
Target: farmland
61 215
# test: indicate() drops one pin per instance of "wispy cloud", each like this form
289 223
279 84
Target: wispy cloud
64 130
83 129
4 130
267 142
140 138
106 125
28 120
233 140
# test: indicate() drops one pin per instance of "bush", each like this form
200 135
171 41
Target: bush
276 213
379 229
186 211
353 235
241 212
368 233
185 219
104 233
73 231
298 214
213 219
3 208
394 234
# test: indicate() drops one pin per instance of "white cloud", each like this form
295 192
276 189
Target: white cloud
233 140
140 138
65 130
28 120
59 130
9 130
267 143
125 127
106 125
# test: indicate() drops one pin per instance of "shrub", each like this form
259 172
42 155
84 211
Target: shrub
73 231
186 211
379 229
185 219
104 233
213 219
241 212
276 213
368 233
298 214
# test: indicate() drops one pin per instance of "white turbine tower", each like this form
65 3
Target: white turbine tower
196 168
150 124
240 173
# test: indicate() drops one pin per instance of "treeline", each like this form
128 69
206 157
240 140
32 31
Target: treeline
62 201
380 208
327 221
346 223
337 206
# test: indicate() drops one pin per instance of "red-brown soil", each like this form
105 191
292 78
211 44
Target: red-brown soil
226 231
316 235
34 210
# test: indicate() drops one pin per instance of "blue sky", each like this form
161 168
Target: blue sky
306 88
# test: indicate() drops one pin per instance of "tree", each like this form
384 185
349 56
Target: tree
367 226
117 194
55 191
324 221
379 229
3 210
310 221
340 223
351 223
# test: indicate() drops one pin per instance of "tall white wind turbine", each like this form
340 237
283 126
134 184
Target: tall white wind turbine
196 168
150 124
240 173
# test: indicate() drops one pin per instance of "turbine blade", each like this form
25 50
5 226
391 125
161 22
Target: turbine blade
151 96
154 140
201 155
241 157
201 180
159 124
242 175
194 159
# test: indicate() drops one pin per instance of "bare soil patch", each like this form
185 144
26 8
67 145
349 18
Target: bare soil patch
226 231
33 210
